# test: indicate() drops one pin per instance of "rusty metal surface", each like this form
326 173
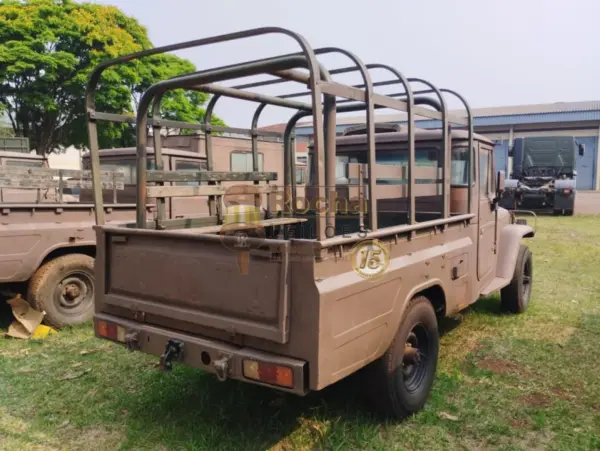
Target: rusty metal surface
256 306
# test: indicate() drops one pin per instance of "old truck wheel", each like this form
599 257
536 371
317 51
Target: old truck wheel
64 289
401 379
515 297
568 212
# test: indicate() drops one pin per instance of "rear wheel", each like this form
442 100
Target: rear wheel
401 380
64 289
516 296
568 212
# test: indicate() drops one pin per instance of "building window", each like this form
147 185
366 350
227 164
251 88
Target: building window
300 179
302 159
242 162
127 166
191 166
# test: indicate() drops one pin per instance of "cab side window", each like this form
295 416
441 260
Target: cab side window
492 172
484 172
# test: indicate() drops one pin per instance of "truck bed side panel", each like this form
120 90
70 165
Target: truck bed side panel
359 317
29 233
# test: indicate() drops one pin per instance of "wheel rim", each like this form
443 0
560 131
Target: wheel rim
527 278
414 360
74 293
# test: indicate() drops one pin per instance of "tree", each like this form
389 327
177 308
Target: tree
48 49
6 130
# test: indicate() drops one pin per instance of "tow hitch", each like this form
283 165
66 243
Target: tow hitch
173 351
222 368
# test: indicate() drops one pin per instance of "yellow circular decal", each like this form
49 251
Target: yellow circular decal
370 258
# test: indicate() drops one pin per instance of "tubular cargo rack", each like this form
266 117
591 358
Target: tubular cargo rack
323 106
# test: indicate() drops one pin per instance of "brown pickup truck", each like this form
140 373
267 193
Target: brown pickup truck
46 239
398 228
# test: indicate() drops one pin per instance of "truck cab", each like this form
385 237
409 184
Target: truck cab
47 243
544 175
15 154
124 160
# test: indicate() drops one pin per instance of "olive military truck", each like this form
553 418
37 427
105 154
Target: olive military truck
47 243
396 230
544 174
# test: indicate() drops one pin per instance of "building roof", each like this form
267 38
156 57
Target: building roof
492 116
278 128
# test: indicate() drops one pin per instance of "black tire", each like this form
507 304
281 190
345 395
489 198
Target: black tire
556 212
64 289
516 296
568 213
399 387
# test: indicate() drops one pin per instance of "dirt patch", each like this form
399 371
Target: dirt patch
463 344
80 439
521 423
536 400
498 366
559 393
535 440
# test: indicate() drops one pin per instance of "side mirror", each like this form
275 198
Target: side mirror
581 150
499 189
500 183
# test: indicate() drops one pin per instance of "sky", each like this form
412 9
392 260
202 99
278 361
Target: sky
495 53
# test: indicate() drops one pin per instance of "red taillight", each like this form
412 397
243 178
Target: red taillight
269 373
111 331
566 191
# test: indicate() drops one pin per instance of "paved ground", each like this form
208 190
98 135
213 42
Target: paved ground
587 202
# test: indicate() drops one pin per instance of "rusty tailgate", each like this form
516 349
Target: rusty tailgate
196 279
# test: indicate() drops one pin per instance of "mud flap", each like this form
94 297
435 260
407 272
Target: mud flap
564 201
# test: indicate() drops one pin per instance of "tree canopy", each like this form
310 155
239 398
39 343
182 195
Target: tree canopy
48 49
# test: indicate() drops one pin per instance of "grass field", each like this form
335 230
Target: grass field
528 382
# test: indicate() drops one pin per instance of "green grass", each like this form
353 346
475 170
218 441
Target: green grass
505 382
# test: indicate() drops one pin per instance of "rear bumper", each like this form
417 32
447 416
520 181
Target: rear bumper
202 353
538 200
